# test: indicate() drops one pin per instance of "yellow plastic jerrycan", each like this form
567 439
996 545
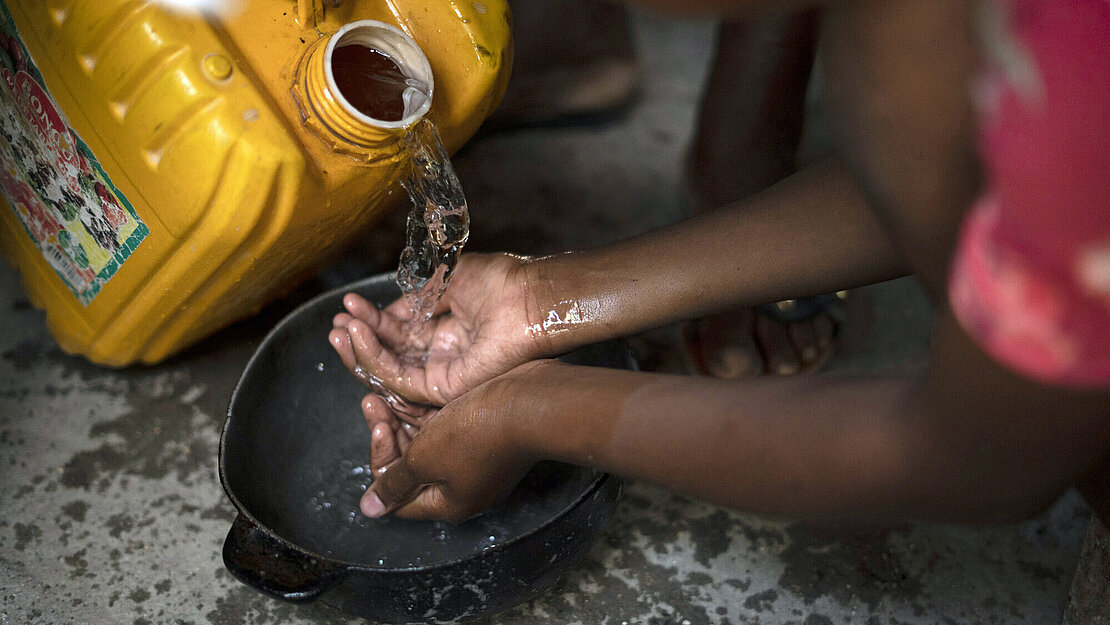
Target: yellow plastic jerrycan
170 166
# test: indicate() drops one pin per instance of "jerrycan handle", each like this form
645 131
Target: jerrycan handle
310 12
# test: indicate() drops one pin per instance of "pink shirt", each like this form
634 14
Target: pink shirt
1030 280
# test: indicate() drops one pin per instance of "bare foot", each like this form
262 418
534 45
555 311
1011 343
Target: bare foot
749 128
750 341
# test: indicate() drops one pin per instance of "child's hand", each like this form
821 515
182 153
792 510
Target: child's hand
389 435
462 462
480 330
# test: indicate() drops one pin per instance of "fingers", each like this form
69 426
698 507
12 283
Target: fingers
385 448
404 491
341 320
399 309
366 357
392 489
341 342
409 431
726 344
369 353
430 504
365 338
378 367
360 308
796 346
375 411
386 324
404 435
427 503
824 327
814 340
357 309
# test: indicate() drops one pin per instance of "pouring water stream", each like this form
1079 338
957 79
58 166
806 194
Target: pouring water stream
436 230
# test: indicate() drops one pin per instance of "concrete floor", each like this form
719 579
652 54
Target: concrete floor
111 509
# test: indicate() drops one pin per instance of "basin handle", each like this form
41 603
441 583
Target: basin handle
258 558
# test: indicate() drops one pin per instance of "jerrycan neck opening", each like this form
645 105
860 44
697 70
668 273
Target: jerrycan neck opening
336 90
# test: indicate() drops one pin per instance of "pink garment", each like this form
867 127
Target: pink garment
1030 280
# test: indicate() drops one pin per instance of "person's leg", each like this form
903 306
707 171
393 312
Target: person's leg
749 129
572 60
751 116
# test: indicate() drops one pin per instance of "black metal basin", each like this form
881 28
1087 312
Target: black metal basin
293 461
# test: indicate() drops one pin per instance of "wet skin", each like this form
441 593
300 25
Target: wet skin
748 136
964 440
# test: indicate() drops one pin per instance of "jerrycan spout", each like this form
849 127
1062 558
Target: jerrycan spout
361 87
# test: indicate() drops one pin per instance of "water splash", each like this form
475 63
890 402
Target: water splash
403 408
436 230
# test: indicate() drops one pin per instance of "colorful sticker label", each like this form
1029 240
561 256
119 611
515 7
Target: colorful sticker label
81 222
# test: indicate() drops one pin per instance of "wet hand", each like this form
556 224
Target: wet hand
390 433
464 460
479 330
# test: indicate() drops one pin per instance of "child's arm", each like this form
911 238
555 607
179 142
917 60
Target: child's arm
966 441
810 234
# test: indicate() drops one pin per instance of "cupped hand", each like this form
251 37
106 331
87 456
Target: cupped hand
465 459
479 330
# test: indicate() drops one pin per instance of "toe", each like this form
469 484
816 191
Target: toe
723 346
778 350
803 336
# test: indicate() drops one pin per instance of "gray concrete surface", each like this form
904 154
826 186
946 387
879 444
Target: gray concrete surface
111 509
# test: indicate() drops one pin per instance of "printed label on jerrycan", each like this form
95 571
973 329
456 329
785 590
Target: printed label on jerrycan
81 222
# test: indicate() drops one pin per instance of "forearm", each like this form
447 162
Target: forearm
812 233
967 441
766 446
